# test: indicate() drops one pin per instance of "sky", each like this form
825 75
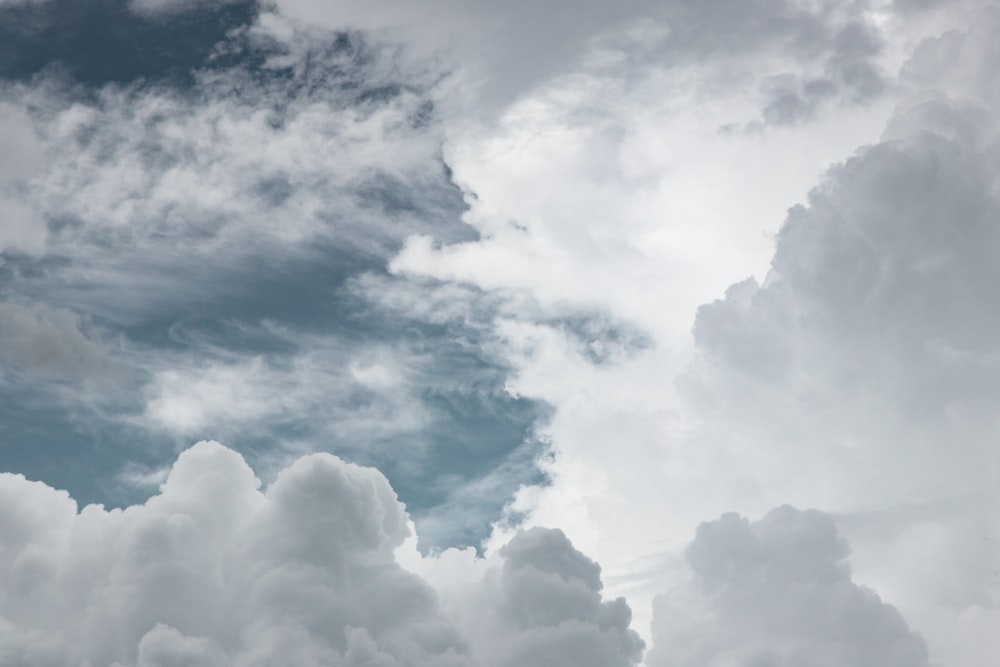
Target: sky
473 334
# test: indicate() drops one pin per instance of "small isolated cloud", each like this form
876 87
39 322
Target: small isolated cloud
22 228
213 571
47 342
777 592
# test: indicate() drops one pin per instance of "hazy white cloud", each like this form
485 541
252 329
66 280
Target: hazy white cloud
157 8
366 394
140 187
214 571
163 171
778 592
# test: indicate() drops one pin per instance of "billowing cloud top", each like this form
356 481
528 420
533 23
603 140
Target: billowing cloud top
777 592
214 571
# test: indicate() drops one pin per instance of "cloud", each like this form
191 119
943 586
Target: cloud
214 571
175 173
614 193
856 372
47 343
495 54
778 592
21 227
156 9
551 597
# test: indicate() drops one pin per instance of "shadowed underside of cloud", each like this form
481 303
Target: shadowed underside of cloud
213 571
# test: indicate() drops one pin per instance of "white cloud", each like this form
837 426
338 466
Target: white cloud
777 592
365 393
213 571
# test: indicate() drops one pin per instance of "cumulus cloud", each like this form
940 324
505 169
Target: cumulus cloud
214 571
876 296
536 601
872 350
777 592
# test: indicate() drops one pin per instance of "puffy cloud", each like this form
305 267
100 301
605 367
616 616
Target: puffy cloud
778 592
872 322
549 608
872 350
213 571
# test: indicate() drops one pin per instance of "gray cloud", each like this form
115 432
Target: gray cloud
498 52
213 571
871 347
777 592
552 605
47 342
22 229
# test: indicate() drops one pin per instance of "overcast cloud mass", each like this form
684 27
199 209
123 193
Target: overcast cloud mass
587 334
